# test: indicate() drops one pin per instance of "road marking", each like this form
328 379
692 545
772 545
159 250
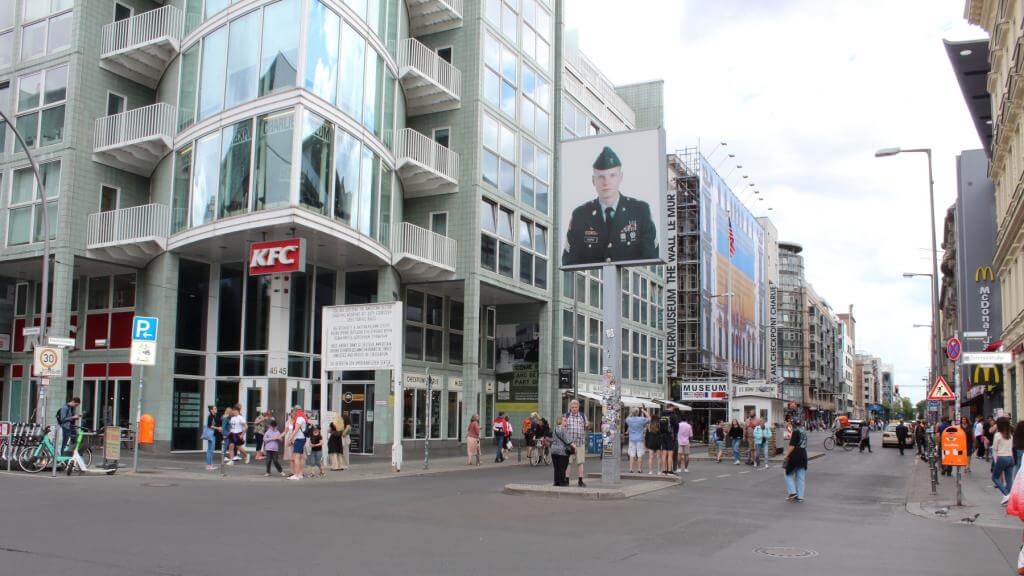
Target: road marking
724 475
700 479
745 472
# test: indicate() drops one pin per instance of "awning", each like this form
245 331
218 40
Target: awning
683 407
634 402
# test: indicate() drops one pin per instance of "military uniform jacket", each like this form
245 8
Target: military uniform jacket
631 236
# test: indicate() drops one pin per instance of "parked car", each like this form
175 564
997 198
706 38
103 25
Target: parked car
889 437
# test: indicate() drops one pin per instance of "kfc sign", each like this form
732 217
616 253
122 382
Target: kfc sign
277 257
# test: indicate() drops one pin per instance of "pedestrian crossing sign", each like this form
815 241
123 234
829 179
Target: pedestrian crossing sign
941 390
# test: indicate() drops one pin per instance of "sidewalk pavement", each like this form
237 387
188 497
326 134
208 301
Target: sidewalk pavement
193 467
980 497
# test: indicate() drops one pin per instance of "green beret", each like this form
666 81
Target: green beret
607 160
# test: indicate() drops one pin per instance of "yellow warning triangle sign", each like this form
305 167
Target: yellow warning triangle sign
941 390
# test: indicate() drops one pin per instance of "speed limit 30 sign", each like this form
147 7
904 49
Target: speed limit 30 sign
48 361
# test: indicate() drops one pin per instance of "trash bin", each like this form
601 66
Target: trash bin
595 442
146 426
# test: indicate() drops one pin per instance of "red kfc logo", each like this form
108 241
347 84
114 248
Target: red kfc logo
277 257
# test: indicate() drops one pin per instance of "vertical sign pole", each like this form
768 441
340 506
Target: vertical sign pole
956 410
138 420
426 438
396 446
611 395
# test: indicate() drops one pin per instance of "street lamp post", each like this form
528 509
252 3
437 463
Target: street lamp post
883 152
45 288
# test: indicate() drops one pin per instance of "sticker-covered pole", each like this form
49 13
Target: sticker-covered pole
611 368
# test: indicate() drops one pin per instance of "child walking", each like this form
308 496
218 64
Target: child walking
272 447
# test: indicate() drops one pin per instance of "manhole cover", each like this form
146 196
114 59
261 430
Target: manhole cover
785 552
159 484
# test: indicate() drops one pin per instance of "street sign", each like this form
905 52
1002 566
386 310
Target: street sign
30 331
143 353
61 342
565 378
144 328
941 390
953 348
987 358
976 334
933 405
46 361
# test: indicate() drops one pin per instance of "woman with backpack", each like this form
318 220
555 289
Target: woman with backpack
795 463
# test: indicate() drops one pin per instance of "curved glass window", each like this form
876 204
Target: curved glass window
179 201
205 178
350 89
322 52
274 158
189 86
315 176
346 176
212 75
369 170
372 98
243 59
236 152
279 60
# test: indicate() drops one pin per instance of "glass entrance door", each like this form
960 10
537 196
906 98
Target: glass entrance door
356 404
188 417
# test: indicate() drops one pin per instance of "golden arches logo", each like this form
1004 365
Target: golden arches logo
984 273
989 375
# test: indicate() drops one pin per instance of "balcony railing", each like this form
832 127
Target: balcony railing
141 29
422 254
141 47
145 123
431 83
431 16
426 166
146 223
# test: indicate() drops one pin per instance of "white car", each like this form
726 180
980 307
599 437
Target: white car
889 437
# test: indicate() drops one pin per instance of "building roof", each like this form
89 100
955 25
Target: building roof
970 63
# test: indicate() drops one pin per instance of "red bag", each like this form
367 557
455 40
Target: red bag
1015 506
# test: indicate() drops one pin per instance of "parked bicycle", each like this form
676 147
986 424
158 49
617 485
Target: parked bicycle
33 459
541 455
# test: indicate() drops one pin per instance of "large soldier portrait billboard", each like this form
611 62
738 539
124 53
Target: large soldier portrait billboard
612 191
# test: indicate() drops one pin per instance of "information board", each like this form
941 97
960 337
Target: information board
362 336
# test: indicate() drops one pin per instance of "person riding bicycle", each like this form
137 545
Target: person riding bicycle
67 419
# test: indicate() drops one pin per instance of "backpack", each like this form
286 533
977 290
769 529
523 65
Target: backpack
527 426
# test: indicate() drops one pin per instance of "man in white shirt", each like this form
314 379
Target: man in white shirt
237 431
979 431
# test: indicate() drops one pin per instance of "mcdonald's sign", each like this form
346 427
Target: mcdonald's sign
986 375
984 273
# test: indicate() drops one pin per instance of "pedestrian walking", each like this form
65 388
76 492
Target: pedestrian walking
211 434
528 428
562 448
635 425
748 438
576 427
794 461
673 448
719 437
666 441
473 441
499 437
683 435
979 438
335 460
901 436
316 451
238 429
296 438
652 442
865 437
988 435
228 444
272 447
762 439
259 428
735 438
346 440
1018 446
919 438
1002 456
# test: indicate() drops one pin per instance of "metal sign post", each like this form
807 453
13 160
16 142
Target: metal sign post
144 331
611 393
426 439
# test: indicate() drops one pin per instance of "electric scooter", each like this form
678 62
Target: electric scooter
79 464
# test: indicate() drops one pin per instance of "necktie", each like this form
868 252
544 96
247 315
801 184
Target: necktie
609 214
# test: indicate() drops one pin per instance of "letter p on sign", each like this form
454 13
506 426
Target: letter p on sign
144 328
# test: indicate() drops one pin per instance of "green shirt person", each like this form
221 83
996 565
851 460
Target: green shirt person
612 227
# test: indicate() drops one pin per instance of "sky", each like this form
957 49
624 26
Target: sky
803 92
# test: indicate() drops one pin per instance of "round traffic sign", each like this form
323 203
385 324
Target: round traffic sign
953 348
49 357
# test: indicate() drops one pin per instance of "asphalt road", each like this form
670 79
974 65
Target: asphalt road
854 520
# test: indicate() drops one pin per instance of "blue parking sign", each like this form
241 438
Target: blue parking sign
144 328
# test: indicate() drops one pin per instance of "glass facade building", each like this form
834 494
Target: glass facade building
411 146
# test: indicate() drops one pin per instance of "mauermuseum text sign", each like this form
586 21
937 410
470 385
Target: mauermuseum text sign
362 336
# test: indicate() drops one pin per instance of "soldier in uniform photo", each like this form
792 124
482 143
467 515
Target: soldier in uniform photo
612 227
